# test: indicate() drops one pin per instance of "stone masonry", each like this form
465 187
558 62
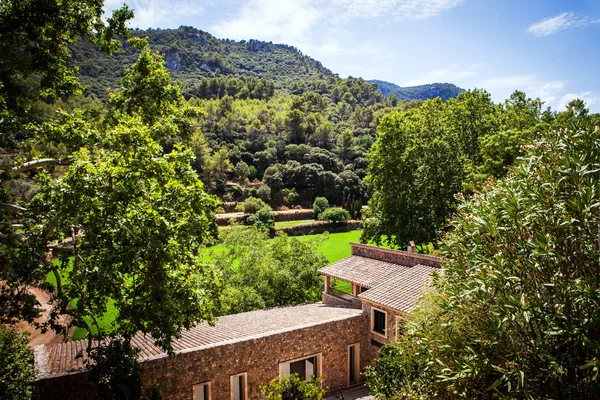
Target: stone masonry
258 357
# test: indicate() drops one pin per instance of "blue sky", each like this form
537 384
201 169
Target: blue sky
548 48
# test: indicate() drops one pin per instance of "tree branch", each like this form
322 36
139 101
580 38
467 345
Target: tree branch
40 163
53 225
12 208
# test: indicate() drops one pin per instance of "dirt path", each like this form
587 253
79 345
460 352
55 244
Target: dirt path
36 336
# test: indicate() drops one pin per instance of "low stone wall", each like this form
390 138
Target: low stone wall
258 357
293 215
394 256
337 301
318 227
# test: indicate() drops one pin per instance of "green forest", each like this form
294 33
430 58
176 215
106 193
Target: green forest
118 147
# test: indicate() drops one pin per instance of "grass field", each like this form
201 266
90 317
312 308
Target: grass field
282 224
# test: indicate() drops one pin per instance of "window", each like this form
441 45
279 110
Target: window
353 363
239 390
201 391
378 321
305 367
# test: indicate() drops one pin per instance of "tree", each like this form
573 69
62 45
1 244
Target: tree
16 365
280 271
122 226
36 41
515 312
415 171
293 388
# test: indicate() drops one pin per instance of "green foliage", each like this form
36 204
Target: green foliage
116 372
16 365
252 204
354 208
515 312
424 156
263 218
319 205
293 388
36 40
335 215
129 218
290 197
262 272
423 92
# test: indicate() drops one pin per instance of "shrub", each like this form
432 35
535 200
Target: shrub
264 193
16 365
354 207
116 372
335 215
290 197
293 388
252 205
319 205
263 218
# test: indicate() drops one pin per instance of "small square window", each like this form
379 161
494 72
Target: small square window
379 321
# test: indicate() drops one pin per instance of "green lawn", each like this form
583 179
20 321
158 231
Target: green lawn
293 223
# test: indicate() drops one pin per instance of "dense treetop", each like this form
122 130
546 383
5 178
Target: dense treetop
422 92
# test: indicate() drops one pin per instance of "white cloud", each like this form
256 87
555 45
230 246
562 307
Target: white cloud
304 23
158 13
451 73
588 97
271 20
399 9
546 90
566 20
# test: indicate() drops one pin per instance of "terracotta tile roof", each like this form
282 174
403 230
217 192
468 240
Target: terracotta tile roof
366 272
59 359
402 290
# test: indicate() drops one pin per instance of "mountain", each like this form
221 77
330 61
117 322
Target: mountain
192 54
422 92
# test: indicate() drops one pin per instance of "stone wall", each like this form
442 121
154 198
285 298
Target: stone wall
337 301
394 256
258 357
391 323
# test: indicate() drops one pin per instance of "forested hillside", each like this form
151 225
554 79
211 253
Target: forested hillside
422 92
192 54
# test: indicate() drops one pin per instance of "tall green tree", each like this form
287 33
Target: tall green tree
121 227
514 314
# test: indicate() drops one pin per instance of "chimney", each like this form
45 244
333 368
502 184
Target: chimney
411 247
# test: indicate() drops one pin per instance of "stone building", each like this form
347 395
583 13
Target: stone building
334 339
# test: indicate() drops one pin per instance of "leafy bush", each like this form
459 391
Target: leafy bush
319 205
264 193
290 197
335 215
116 372
354 207
252 205
293 388
16 365
263 218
